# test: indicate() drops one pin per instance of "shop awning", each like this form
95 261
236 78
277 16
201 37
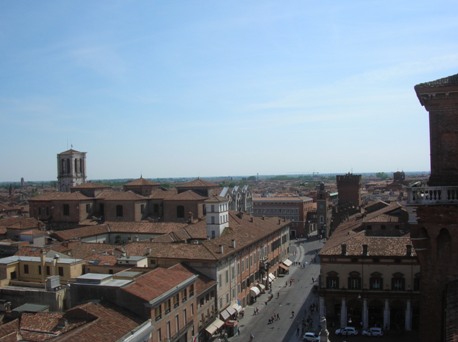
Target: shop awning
218 323
237 308
211 329
262 287
264 279
231 310
271 277
286 268
225 315
287 262
213 326
254 291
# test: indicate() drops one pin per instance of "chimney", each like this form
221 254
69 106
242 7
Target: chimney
344 248
365 253
221 249
233 243
409 250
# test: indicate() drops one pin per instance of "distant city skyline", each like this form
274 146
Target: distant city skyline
207 89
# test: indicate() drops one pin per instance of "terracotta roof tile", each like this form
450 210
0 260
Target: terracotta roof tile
188 195
90 185
8 331
161 194
60 196
112 195
21 223
154 283
197 183
141 182
243 230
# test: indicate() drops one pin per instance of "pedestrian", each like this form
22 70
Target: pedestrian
292 314
278 294
251 337
313 280
278 316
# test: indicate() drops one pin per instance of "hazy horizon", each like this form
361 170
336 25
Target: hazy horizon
166 89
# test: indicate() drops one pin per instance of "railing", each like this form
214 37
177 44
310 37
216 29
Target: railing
431 195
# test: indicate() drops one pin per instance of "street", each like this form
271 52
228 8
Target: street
292 299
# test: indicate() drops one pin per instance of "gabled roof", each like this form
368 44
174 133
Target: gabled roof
158 281
8 331
20 223
97 322
243 229
142 182
161 194
60 196
376 245
349 234
187 195
112 195
197 183
216 199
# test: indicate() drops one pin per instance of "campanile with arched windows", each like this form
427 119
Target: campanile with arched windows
71 169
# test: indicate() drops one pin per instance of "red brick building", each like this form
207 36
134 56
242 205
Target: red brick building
434 214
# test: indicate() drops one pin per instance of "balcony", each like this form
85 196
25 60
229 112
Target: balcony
432 195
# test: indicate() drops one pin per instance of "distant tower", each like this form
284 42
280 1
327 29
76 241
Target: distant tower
71 169
349 189
323 212
217 215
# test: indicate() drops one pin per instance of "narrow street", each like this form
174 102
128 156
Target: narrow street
291 293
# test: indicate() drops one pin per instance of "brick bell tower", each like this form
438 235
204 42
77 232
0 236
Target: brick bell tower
433 214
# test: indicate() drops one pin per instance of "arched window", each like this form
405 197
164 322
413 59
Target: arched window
376 281
332 280
354 281
398 282
180 211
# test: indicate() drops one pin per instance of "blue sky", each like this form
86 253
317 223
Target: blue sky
219 88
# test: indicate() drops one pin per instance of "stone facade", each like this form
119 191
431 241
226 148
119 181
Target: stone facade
71 169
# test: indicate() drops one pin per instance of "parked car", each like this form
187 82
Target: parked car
374 331
347 331
311 337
